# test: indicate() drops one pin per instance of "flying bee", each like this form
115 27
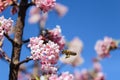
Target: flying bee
68 53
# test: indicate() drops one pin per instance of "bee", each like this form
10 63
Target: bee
68 53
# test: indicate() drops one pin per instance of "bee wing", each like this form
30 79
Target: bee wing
75 45
72 60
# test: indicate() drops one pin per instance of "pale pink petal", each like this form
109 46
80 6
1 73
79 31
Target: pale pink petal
34 18
60 9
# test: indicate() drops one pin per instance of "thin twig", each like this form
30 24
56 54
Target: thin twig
8 37
4 55
26 41
24 61
30 4
118 47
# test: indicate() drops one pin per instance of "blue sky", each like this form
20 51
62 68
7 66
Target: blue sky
90 20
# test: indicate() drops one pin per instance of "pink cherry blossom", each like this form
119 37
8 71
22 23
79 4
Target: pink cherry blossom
97 67
100 76
53 77
84 74
34 15
5 26
66 76
44 52
63 76
37 16
45 5
47 53
77 75
47 67
60 9
56 36
4 4
2 7
34 10
34 18
103 47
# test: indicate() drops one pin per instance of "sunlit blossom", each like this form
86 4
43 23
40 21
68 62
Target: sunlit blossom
103 47
76 46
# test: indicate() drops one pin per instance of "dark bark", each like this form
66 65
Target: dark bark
17 44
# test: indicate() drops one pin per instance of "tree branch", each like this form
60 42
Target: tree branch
25 61
17 45
4 55
8 37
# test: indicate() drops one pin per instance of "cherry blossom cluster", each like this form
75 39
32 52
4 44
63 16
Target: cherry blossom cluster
44 52
56 37
47 53
63 76
4 4
103 47
97 69
89 75
95 73
45 5
5 26
46 48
